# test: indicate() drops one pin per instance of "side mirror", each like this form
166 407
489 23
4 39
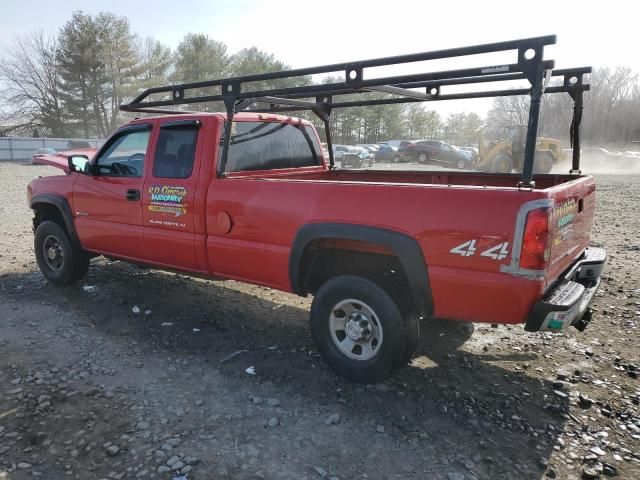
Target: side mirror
78 163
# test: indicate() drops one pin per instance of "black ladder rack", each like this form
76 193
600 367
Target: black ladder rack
237 95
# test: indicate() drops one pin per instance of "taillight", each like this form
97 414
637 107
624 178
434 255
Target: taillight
411 145
535 242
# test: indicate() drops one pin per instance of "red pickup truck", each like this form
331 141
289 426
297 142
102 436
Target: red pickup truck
249 195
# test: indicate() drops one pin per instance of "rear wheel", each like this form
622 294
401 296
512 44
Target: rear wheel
59 261
461 164
502 164
360 330
422 158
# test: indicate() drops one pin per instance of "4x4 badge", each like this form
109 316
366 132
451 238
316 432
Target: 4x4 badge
468 249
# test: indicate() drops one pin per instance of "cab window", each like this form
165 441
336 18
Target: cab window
124 155
175 151
271 145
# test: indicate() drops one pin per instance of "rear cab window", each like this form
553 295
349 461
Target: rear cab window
272 145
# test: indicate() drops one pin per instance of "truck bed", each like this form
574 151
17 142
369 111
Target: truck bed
441 210
421 177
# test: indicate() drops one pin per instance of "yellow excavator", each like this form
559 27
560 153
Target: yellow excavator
506 151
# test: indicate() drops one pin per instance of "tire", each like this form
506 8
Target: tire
502 164
59 261
422 158
412 338
542 162
355 299
461 164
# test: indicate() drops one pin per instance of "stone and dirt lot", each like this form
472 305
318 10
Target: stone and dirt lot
91 390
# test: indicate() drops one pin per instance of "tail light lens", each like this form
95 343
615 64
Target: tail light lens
536 240
411 145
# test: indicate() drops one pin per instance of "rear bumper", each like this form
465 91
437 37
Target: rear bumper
567 303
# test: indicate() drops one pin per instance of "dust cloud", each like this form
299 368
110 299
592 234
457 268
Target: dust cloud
596 160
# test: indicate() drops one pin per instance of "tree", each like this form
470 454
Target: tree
471 129
507 111
432 125
122 66
416 119
82 71
156 60
199 58
250 61
31 83
454 126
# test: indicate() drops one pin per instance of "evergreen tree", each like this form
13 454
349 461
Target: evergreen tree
122 66
199 58
82 71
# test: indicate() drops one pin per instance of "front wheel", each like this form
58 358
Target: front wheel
359 329
422 158
542 162
58 259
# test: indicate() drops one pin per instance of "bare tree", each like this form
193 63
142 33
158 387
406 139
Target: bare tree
30 75
509 111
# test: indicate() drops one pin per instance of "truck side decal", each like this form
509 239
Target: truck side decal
168 199
468 249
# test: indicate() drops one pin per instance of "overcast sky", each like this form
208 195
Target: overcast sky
306 33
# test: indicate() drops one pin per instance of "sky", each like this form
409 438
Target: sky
322 32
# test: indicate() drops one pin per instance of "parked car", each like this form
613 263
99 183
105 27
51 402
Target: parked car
77 144
392 143
387 153
364 157
325 151
437 152
40 152
475 153
350 156
371 148
402 147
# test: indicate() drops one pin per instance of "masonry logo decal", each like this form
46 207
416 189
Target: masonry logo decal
563 217
168 199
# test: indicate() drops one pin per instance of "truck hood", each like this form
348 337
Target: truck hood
60 159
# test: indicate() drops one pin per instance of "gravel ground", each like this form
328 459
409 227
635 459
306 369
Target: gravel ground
91 390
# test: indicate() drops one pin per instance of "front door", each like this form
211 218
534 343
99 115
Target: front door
108 203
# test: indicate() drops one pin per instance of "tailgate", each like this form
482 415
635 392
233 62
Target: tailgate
570 223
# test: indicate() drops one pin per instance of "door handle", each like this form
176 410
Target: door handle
133 195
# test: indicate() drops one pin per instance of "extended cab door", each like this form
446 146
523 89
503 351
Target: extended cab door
169 198
107 205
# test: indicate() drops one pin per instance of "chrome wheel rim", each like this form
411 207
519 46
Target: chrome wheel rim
460 163
355 329
53 253
422 157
